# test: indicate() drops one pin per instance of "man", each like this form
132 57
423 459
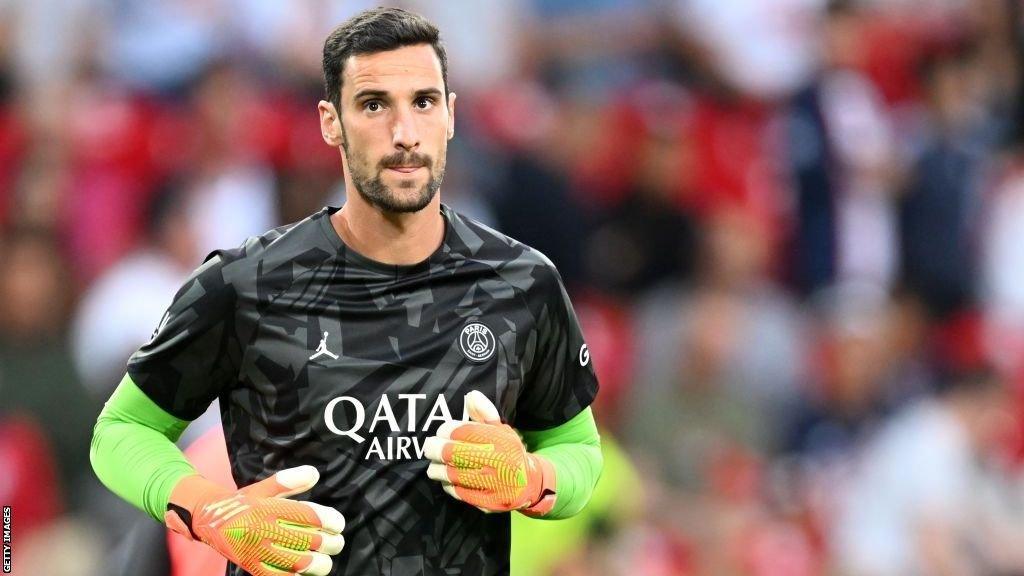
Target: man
343 347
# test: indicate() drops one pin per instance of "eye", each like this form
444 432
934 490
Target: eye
424 102
373 106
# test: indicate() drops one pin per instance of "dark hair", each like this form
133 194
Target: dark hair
377 30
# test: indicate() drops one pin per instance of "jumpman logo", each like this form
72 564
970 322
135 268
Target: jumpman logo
322 350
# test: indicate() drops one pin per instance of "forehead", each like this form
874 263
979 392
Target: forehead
413 67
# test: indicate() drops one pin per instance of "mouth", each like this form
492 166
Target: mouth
405 169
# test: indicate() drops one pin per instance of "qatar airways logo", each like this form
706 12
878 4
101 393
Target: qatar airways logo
391 447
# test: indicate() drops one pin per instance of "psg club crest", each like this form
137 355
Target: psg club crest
477 342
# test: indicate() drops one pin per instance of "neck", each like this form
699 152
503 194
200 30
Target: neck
389 238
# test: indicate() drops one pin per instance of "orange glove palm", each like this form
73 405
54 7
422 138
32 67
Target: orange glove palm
484 463
256 527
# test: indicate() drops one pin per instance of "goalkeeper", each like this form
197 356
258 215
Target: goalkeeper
390 373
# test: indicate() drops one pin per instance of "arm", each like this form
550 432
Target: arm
133 454
574 450
188 362
133 451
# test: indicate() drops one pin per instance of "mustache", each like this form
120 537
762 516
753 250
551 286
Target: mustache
405 159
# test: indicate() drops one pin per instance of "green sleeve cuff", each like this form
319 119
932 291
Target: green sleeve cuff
133 451
574 449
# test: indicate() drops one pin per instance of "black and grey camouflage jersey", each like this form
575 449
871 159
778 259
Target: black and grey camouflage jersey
322 356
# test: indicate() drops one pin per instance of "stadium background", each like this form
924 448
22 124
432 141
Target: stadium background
781 222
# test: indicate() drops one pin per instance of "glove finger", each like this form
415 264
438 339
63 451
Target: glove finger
476 498
284 483
474 433
281 558
308 515
314 564
460 454
331 520
327 537
329 544
264 569
303 539
448 427
463 494
469 479
433 448
438 471
463 478
481 409
447 487
288 561
451 475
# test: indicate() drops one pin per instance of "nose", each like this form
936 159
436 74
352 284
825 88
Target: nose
404 133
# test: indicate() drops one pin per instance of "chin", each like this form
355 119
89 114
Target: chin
407 201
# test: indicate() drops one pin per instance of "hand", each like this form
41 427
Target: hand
256 527
484 463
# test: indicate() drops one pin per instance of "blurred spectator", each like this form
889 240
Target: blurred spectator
842 151
765 49
37 378
1003 266
121 310
715 367
30 484
103 165
845 398
162 45
49 39
233 190
911 504
940 209
483 38
533 198
646 237
585 50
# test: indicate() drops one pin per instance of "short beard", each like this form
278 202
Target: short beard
377 194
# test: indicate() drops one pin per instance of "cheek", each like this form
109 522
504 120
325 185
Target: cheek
434 128
366 133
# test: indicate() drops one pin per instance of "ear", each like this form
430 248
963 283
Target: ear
330 123
451 115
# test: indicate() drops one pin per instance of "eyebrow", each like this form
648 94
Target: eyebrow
429 92
372 93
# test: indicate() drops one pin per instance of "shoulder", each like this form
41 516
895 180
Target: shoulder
270 262
480 243
525 268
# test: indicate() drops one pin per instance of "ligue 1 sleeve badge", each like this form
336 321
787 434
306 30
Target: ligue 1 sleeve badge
477 342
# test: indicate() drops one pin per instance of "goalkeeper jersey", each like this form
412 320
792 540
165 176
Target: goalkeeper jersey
322 356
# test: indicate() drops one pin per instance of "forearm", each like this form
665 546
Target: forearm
574 449
133 451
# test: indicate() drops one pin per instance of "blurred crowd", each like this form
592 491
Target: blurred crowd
793 231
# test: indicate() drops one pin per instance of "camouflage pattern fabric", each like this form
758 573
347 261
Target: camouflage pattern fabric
321 356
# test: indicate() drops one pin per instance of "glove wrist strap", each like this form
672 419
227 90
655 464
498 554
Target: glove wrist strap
179 520
547 494
188 495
